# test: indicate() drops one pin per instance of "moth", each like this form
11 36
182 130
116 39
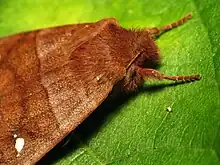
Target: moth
52 79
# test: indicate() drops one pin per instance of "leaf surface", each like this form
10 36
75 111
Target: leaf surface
138 129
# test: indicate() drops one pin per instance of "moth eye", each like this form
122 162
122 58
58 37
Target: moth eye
140 60
147 60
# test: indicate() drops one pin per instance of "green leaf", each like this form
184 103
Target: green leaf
138 129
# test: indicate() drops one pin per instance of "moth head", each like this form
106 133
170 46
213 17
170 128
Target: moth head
146 50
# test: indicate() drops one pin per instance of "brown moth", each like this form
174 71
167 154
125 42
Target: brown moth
54 78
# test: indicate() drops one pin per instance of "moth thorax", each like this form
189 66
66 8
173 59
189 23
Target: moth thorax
148 53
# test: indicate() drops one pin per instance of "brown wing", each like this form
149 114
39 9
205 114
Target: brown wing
50 81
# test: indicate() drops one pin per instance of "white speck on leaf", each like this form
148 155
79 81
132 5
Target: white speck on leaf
169 109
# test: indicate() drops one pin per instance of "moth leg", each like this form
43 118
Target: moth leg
152 73
157 31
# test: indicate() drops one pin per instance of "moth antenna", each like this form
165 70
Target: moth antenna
158 31
183 78
151 73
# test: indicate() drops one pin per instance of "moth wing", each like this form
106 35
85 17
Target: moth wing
50 81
